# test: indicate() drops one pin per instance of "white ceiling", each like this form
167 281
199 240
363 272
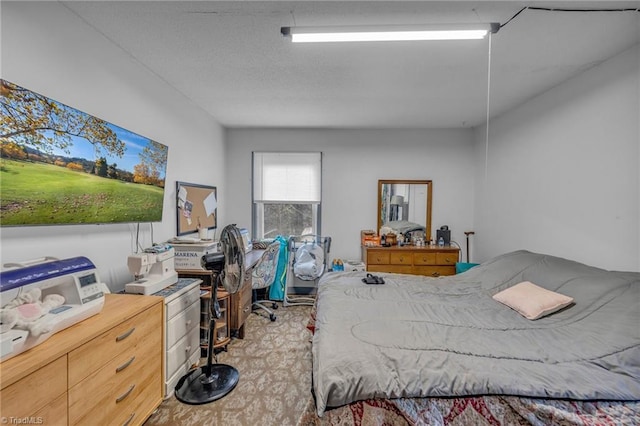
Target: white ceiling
231 60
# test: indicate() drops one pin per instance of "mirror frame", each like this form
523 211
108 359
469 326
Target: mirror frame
409 182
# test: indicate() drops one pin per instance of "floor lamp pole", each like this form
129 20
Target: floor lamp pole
467 233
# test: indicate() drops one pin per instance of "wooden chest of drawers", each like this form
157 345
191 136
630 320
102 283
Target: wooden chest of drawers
106 369
242 301
431 261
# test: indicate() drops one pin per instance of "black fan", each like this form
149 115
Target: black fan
213 381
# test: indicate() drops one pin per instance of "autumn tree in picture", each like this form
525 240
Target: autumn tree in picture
152 160
46 147
32 120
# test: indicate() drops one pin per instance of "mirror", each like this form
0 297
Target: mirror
405 200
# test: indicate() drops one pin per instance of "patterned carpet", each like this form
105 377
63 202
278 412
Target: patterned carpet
274 361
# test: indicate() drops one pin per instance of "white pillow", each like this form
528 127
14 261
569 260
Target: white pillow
532 301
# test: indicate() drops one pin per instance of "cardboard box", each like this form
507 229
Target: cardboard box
187 256
369 238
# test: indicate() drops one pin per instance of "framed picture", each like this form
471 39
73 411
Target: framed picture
197 207
63 166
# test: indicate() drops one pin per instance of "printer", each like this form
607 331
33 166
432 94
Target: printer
74 282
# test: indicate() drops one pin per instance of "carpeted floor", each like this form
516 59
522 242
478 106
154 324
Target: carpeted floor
274 361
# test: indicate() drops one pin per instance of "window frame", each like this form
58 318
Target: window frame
257 207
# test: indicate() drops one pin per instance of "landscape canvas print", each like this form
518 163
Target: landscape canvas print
59 165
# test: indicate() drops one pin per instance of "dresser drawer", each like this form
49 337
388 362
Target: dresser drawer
435 271
35 391
110 382
172 380
400 258
241 305
246 294
397 269
180 325
446 258
139 405
246 301
181 351
125 399
377 258
181 303
55 413
424 258
118 340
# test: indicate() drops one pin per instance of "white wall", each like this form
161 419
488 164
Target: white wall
563 171
49 50
353 161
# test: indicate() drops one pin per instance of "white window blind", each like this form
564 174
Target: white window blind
284 177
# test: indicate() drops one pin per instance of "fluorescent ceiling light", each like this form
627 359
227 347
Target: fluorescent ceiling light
388 33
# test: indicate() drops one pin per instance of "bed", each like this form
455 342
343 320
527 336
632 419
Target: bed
420 350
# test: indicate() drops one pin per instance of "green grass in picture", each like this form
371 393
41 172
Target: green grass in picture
66 196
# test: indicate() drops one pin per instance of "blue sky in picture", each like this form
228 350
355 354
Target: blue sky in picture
134 145
79 147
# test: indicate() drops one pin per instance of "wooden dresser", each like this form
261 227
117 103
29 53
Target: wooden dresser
242 301
106 369
431 261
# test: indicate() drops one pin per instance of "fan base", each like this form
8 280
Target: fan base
198 387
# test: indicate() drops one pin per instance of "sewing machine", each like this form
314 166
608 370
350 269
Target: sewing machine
76 279
152 270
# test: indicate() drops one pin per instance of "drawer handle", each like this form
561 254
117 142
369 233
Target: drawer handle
125 365
435 274
129 419
126 394
245 310
188 322
125 335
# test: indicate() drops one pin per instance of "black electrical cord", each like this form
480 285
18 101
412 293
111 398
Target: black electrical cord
511 19
553 9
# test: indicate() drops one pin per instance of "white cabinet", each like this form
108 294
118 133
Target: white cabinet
182 337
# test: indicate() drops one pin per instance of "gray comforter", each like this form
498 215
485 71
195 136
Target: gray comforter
417 336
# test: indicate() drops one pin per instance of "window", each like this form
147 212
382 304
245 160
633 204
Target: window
286 193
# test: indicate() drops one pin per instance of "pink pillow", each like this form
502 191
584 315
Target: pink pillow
532 301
